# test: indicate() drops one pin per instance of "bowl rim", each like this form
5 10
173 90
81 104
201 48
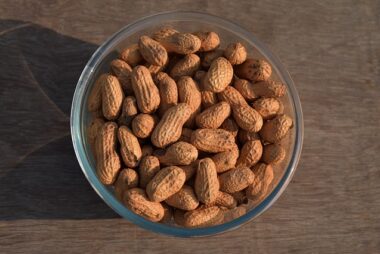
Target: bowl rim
104 193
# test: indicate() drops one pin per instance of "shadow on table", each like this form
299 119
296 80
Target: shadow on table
39 175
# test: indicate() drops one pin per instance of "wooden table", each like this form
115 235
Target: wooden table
331 49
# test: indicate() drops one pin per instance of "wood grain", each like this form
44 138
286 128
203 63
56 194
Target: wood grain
331 49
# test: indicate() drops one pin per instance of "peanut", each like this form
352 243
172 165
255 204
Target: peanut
250 153
235 53
136 200
168 214
273 154
267 107
168 92
108 161
214 116
276 129
235 213
218 76
164 33
206 181
226 160
165 183
180 43
127 179
209 40
123 72
128 110
210 56
186 66
269 88
180 153
155 69
232 96
189 93
212 140
247 118
94 101
260 185
190 169
93 131
245 88
152 51
169 129
184 199
245 136
203 217
236 179
146 92
240 197
230 125
148 168
226 200
143 125
129 147
112 97
254 70
131 55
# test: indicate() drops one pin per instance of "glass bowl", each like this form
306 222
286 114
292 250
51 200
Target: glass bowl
185 22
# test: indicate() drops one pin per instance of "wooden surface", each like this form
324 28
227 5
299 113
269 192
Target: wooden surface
331 49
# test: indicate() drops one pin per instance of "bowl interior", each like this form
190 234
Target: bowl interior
184 22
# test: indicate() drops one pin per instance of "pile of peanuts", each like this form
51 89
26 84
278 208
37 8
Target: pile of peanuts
186 132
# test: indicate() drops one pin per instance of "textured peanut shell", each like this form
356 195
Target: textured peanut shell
146 92
168 214
245 88
112 97
244 136
127 179
180 43
136 200
260 186
179 153
164 33
226 160
236 179
206 181
247 118
169 129
213 140
143 125
132 55
186 135
240 197
236 53
148 168
165 183
122 71
152 51
234 213
203 217
208 99
210 56
269 88
188 92
128 110
267 107
130 149
94 101
108 161
209 40
230 125
232 97
250 153
186 66
154 69
276 129
214 116
254 70
273 154
168 92
93 131
226 200
184 199
218 76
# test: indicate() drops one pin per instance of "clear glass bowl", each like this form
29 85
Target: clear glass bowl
183 21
